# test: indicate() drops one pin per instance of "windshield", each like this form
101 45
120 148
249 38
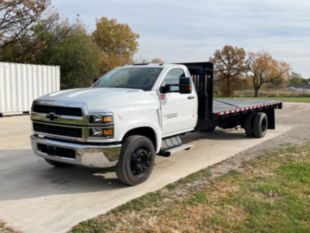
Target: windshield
130 77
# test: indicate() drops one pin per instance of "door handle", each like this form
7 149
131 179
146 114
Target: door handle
191 97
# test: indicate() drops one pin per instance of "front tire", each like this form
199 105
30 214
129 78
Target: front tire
136 160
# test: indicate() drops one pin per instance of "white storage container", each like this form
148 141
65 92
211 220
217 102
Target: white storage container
20 84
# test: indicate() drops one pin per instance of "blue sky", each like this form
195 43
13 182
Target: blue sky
185 30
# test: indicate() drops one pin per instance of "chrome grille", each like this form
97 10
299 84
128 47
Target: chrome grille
59 113
64 121
59 110
57 130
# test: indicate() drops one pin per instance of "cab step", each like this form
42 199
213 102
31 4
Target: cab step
172 145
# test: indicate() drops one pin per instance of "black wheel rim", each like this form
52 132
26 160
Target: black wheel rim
141 161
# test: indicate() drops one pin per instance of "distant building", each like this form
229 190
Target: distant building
299 87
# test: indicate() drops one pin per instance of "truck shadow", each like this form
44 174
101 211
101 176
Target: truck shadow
218 134
23 175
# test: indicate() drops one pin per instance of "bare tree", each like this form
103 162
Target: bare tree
17 17
265 69
230 63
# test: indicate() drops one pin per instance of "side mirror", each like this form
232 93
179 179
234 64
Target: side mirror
185 85
164 89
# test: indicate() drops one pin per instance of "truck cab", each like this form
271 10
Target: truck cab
92 126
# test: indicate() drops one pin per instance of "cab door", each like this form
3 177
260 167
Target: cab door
179 111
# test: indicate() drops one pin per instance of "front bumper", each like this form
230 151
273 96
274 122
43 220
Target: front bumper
80 154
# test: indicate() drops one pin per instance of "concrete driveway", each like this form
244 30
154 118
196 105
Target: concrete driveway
35 197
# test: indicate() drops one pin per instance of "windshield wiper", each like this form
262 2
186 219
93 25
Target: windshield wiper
114 86
121 87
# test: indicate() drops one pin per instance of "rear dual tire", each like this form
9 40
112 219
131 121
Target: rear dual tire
249 125
256 125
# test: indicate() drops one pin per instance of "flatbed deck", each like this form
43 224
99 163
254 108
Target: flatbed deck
227 106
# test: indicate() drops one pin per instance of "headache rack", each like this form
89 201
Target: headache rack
202 75
223 112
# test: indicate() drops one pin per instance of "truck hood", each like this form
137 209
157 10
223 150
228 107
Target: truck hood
99 99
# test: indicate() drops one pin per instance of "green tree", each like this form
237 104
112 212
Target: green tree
230 64
117 43
296 78
76 54
67 45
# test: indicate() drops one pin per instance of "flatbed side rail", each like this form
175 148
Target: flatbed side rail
273 104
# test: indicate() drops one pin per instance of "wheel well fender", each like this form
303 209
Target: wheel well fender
147 132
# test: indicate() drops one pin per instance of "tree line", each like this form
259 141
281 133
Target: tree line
233 63
234 67
31 32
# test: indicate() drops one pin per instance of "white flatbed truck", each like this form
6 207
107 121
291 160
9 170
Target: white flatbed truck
135 112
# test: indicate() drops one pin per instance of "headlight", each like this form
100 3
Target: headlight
101 118
101 125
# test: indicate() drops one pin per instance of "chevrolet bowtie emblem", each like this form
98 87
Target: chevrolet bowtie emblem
52 116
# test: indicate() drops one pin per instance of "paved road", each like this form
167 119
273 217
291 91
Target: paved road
35 197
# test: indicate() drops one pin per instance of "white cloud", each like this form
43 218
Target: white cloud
191 30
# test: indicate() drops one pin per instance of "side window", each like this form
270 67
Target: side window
173 77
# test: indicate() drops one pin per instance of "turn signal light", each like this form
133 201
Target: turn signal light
99 132
107 132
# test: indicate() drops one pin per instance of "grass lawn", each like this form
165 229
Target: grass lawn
269 194
285 99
